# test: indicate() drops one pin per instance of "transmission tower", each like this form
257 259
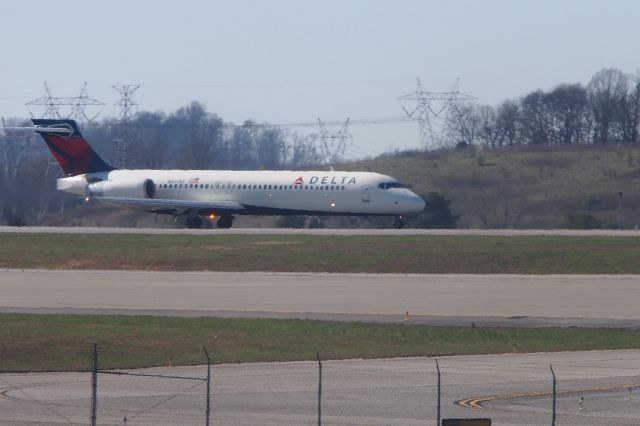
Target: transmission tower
127 108
333 145
431 105
77 105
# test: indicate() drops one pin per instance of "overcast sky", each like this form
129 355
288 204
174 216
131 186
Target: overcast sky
294 61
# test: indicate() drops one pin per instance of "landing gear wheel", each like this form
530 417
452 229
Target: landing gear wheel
225 221
398 222
194 222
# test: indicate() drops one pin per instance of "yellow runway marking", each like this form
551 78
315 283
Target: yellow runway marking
478 401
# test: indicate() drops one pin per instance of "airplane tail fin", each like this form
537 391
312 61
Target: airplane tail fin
67 145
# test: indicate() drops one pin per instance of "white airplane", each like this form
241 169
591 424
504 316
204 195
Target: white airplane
194 194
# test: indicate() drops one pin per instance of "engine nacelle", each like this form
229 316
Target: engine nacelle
128 188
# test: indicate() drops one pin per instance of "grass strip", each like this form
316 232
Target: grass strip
305 253
62 342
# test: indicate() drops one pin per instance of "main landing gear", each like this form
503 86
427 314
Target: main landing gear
225 221
195 222
398 222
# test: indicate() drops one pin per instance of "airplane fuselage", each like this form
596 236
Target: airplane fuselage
258 192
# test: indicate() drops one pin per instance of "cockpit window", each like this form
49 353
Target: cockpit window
387 185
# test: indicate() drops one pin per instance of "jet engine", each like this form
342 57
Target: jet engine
129 188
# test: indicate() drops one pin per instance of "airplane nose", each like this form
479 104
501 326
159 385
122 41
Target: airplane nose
414 202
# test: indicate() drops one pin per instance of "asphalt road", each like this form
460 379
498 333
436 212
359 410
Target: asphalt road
340 232
512 389
534 300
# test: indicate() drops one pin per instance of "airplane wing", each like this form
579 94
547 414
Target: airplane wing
175 206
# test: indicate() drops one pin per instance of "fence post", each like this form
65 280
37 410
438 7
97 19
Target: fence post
208 413
439 395
94 383
553 409
319 389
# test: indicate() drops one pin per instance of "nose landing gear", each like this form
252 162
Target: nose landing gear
398 222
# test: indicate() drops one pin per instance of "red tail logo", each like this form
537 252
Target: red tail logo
67 145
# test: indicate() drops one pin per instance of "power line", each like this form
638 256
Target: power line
77 105
355 122
430 106
127 108
333 144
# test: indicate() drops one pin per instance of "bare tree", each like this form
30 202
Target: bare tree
567 107
607 93
631 112
303 152
508 116
201 134
462 123
488 131
534 119
271 147
149 144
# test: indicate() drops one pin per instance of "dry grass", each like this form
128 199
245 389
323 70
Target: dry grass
525 187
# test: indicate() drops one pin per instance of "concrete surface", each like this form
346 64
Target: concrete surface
342 232
513 389
589 300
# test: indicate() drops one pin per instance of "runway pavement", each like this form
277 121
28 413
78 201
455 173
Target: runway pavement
512 389
591 300
595 388
321 232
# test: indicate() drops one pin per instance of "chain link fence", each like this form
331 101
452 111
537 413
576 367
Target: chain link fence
404 391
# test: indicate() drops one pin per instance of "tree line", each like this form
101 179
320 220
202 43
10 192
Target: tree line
188 138
605 111
193 138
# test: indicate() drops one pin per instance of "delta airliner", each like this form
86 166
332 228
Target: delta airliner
221 194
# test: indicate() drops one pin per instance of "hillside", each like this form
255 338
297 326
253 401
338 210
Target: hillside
555 187
550 187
